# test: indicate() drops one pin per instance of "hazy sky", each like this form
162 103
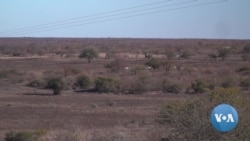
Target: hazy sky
229 19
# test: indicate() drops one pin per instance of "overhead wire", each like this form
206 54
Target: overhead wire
105 18
84 17
95 19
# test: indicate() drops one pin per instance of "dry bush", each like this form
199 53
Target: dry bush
245 84
68 70
83 82
105 85
116 65
189 120
170 87
56 84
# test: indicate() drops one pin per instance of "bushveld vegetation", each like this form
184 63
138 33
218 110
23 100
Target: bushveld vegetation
209 71
189 119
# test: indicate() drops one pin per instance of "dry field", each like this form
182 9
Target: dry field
91 116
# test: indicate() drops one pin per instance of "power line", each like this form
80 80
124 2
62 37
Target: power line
123 15
93 19
85 17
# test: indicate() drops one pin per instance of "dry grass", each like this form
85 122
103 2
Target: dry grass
90 116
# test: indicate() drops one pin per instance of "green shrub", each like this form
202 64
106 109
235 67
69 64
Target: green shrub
244 70
137 69
7 73
83 82
185 55
198 86
223 53
245 84
246 49
25 135
229 82
154 63
56 84
18 136
189 120
171 88
75 71
104 84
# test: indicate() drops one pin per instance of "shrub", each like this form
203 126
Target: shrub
244 70
116 65
229 82
213 56
67 70
189 120
141 83
18 136
223 53
75 71
7 73
56 84
167 65
25 135
246 49
198 86
185 55
170 55
245 57
154 63
245 84
37 84
171 88
83 82
104 84
109 55
111 103
137 69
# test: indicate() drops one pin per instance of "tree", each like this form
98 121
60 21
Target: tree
89 54
56 84
223 53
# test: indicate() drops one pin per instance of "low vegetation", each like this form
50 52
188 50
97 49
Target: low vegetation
153 63
25 135
189 119
83 82
104 85
56 84
198 73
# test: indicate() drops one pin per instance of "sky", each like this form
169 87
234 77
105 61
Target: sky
212 19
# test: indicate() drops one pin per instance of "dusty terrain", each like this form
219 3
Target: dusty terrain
88 115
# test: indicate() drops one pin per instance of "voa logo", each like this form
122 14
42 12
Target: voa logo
224 118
